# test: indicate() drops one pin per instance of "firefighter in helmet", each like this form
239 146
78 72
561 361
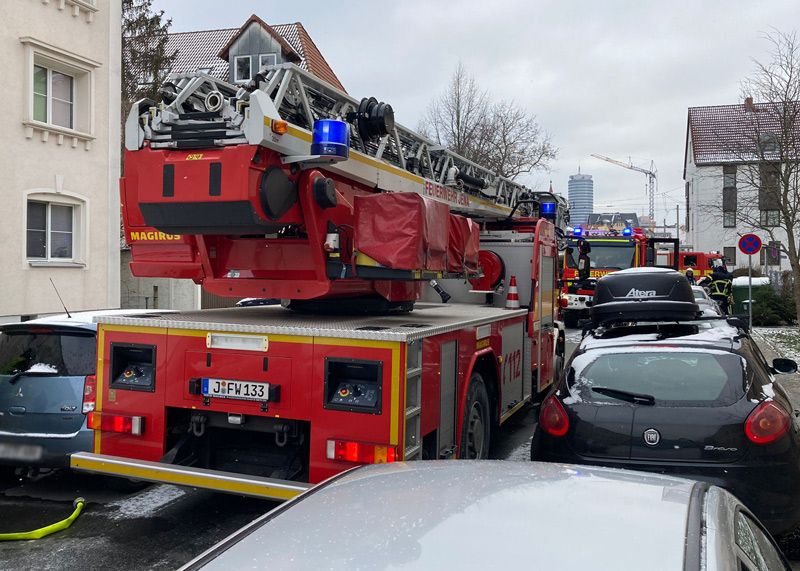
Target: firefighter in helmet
720 288
690 276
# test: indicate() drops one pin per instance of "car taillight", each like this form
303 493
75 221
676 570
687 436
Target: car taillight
767 423
115 423
553 418
89 394
360 452
563 302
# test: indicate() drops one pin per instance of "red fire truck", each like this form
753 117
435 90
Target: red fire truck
701 263
288 188
610 250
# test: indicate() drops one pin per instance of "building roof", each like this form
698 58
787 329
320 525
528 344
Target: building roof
204 49
729 133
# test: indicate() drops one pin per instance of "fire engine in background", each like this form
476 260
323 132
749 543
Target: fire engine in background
701 263
288 188
609 250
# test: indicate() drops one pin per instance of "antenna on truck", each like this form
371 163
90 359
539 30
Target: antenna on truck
59 299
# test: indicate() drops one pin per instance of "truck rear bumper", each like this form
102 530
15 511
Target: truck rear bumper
242 484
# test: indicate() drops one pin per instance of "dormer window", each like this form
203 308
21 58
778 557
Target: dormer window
242 72
266 59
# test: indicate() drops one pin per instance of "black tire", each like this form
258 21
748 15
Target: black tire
8 476
476 430
570 319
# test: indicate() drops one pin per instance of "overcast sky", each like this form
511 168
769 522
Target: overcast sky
608 77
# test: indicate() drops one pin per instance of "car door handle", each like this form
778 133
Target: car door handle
16 409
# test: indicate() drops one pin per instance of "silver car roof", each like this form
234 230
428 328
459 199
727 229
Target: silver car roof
472 515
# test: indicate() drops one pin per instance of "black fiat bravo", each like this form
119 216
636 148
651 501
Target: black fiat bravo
655 388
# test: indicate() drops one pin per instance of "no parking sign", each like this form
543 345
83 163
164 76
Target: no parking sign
750 244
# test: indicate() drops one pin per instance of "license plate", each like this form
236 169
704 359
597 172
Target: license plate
20 452
228 389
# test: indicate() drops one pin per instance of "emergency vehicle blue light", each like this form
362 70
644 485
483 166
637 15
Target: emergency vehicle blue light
577 231
331 138
548 208
627 231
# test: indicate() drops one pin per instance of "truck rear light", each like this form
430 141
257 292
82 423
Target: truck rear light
553 418
563 302
89 394
115 423
767 423
361 452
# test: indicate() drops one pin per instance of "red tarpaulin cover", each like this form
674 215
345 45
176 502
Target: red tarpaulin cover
462 250
402 230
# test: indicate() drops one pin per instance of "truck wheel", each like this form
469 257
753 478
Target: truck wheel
570 319
476 429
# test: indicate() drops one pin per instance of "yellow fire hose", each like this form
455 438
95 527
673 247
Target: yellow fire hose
47 530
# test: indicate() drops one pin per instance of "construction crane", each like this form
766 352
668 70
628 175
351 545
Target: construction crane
651 174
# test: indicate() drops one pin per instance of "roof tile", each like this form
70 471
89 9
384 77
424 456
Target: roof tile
200 49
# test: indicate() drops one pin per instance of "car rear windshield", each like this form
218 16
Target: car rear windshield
57 352
673 377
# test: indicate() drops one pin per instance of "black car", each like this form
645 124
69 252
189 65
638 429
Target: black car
689 396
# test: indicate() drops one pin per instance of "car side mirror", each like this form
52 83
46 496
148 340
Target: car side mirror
784 366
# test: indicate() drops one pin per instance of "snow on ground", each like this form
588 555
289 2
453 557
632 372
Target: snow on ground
146 503
785 341
521 453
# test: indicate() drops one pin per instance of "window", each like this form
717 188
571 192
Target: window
770 218
729 176
241 65
53 97
59 94
755 544
267 59
679 378
50 231
729 219
729 253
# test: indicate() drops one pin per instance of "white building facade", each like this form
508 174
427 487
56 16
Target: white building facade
717 190
60 156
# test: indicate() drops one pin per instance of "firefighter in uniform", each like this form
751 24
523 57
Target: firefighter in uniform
720 288
690 276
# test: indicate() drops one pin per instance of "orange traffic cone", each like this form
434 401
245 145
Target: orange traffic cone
512 299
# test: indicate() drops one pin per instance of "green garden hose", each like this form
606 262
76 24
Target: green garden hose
47 530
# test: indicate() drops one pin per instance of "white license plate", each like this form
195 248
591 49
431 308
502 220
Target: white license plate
20 452
228 389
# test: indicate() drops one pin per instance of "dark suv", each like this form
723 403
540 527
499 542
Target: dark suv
690 397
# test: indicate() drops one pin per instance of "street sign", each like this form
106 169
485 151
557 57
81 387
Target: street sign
750 244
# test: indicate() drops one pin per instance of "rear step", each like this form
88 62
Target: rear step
229 482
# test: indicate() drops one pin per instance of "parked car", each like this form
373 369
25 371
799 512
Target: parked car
707 305
44 366
693 398
501 515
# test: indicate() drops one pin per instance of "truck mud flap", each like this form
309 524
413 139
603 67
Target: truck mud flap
228 482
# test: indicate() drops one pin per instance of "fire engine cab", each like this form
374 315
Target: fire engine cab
418 288
606 251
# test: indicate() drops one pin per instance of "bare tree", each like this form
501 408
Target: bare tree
499 135
145 61
763 153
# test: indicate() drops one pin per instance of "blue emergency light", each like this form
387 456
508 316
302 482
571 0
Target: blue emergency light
548 208
577 231
331 138
627 231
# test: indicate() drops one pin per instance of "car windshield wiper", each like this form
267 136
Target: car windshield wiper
17 376
638 398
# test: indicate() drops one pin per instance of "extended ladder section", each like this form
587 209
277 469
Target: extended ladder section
202 112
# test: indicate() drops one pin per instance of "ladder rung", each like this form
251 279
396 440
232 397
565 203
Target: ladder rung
413 372
411 451
413 411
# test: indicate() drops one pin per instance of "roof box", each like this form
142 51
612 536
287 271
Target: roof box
643 294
